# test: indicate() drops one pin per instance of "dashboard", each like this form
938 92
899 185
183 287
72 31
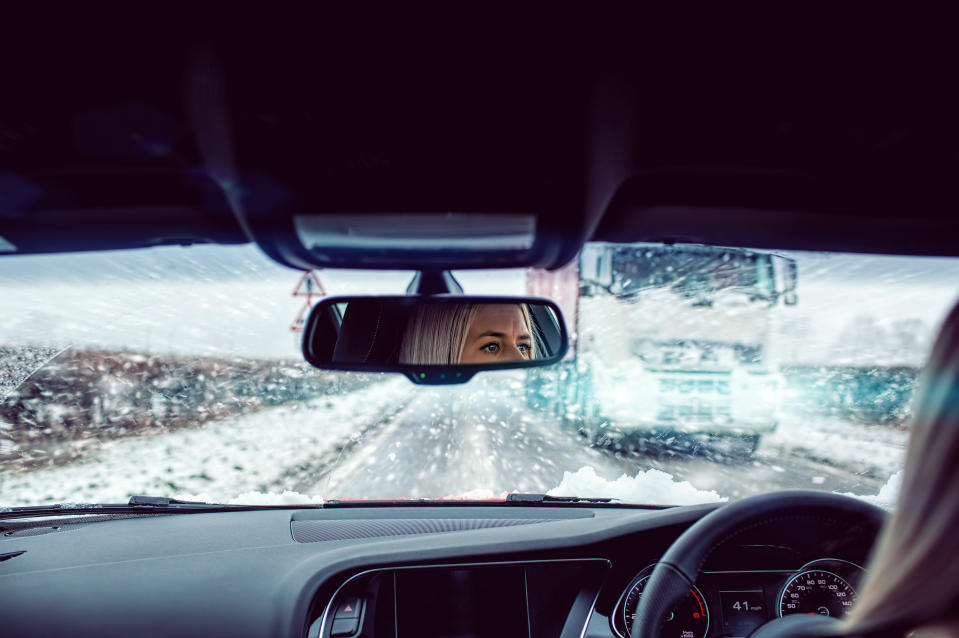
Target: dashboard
426 571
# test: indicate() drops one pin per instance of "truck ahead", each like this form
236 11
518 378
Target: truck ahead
697 364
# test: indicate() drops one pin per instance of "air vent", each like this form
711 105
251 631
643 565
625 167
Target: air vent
319 531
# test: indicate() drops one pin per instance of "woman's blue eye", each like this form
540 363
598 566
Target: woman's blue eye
491 348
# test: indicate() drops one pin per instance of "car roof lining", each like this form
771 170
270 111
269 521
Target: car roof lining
600 138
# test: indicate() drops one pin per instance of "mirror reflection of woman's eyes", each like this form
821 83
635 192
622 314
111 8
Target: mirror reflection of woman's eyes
493 348
490 348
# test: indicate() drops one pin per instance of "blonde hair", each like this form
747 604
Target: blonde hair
912 574
436 333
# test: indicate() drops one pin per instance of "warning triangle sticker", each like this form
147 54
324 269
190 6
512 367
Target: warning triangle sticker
309 286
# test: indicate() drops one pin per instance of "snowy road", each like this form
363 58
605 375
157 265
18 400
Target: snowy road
478 440
480 443
485 443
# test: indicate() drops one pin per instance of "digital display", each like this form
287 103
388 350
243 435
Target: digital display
480 602
743 611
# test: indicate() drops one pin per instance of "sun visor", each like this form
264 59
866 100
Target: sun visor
909 213
462 232
408 240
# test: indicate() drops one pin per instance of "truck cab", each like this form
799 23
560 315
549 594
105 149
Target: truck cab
683 375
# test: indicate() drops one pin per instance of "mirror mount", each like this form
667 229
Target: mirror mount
434 282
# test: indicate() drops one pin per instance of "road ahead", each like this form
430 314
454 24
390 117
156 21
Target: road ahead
477 440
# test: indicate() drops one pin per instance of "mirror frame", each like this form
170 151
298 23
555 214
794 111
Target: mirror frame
432 374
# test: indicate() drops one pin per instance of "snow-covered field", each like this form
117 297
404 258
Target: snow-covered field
216 462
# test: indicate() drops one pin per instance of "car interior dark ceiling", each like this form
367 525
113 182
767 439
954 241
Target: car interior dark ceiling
737 136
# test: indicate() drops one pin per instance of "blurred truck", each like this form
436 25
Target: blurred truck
695 365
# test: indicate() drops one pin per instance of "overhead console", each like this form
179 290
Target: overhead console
548 599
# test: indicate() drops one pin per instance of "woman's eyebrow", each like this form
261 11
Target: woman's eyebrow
490 333
499 335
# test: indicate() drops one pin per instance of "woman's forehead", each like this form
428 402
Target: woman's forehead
499 317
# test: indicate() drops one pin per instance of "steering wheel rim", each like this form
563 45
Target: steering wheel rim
677 570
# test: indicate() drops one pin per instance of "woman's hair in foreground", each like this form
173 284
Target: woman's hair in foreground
913 576
436 333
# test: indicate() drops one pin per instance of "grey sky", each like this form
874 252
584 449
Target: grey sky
235 300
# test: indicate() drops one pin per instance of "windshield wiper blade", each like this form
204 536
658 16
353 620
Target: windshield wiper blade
546 498
140 504
161 501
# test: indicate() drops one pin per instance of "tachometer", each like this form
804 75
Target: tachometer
816 591
690 620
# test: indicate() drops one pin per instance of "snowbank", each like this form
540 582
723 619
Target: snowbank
658 487
877 449
287 497
888 493
651 487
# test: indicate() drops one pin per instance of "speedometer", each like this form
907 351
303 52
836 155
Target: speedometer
689 620
816 591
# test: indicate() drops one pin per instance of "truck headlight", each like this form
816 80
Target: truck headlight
628 396
756 395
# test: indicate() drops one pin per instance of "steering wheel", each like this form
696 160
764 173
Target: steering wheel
676 572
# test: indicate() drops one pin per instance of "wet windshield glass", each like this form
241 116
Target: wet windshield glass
695 374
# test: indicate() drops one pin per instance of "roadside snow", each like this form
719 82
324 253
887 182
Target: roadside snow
888 493
287 497
651 486
224 458
876 449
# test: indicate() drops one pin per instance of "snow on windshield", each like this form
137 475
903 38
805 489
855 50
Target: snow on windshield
175 372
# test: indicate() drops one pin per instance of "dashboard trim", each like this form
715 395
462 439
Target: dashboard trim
750 571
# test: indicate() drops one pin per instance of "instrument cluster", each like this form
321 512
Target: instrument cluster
731 604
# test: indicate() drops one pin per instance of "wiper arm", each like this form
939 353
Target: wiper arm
138 505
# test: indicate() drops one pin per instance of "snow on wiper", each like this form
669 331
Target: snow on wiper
547 498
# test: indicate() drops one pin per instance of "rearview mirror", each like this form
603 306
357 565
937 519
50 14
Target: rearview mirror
434 339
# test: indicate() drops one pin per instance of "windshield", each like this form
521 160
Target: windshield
695 374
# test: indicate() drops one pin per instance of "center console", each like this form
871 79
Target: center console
543 599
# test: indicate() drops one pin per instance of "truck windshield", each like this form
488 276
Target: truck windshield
698 272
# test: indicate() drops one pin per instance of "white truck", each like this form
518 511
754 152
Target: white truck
674 345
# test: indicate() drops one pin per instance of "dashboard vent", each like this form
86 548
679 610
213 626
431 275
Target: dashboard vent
319 531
